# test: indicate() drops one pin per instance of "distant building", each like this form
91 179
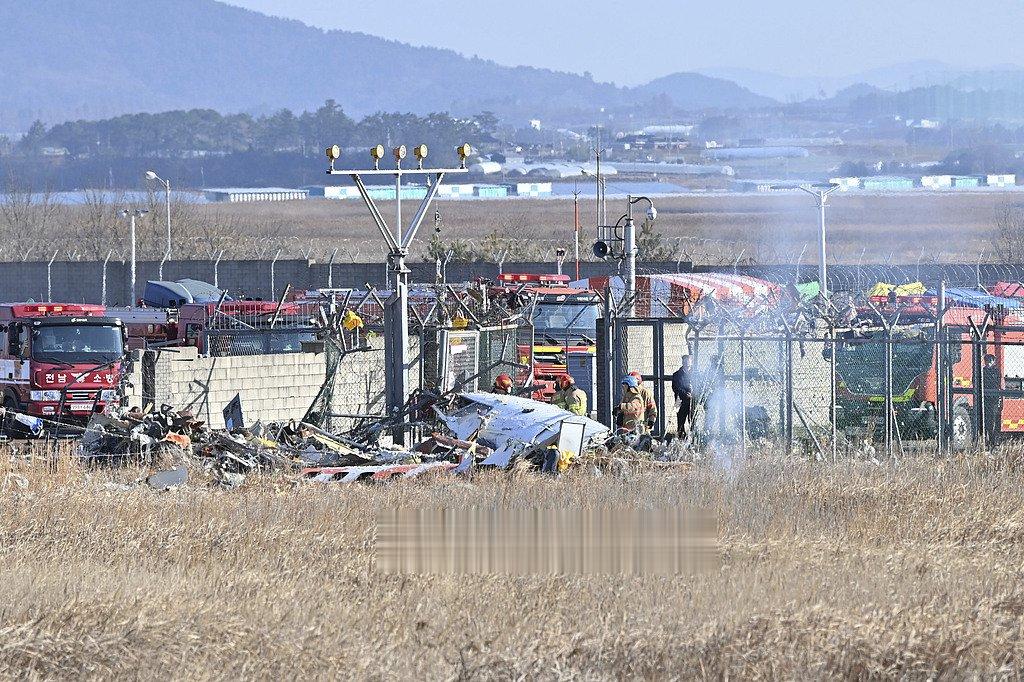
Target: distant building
533 189
535 123
341 192
252 194
723 154
387 192
491 191
667 130
937 181
966 181
455 191
485 168
887 183
1001 180
845 184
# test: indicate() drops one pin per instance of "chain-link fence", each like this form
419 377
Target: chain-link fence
881 378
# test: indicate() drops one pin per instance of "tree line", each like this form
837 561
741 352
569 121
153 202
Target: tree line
204 132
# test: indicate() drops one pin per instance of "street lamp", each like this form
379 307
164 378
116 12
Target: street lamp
132 215
151 175
629 237
821 192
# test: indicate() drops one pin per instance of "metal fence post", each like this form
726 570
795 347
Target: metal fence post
659 373
103 284
743 393
330 269
832 394
49 278
789 390
888 405
940 374
273 264
604 389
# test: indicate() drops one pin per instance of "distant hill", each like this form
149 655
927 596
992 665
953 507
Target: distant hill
943 103
695 91
91 59
912 75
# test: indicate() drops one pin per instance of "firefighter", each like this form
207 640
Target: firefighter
650 407
630 413
569 396
502 385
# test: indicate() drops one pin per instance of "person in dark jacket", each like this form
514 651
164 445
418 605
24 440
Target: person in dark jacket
682 387
992 383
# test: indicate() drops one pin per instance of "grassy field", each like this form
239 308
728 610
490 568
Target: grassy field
715 228
852 570
711 229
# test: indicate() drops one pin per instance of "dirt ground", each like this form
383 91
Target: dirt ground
934 227
854 570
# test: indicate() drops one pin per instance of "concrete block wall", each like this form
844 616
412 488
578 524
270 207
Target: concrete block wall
271 387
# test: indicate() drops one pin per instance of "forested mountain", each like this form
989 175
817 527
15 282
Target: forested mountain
91 59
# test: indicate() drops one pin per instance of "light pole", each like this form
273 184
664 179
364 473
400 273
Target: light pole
132 215
396 312
821 193
629 239
151 175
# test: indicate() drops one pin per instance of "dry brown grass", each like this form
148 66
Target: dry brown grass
712 229
850 570
715 228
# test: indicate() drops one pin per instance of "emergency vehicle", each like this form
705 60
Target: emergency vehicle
225 328
246 327
564 321
59 359
860 365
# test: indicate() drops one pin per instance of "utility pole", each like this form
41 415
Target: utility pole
576 229
396 313
821 195
151 175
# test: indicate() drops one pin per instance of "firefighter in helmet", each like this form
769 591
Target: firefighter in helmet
502 385
650 407
569 396
629 416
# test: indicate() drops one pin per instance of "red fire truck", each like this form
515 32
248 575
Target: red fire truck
59 359
564 321
915 370
226 328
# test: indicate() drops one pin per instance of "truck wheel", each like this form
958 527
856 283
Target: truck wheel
962 434
13 427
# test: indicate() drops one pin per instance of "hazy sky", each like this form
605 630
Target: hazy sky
633 41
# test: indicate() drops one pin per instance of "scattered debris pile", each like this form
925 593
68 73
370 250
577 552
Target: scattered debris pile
462 430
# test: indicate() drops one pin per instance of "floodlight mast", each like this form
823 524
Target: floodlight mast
821 194
396 312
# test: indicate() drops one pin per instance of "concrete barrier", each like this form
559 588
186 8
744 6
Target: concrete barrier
271 387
